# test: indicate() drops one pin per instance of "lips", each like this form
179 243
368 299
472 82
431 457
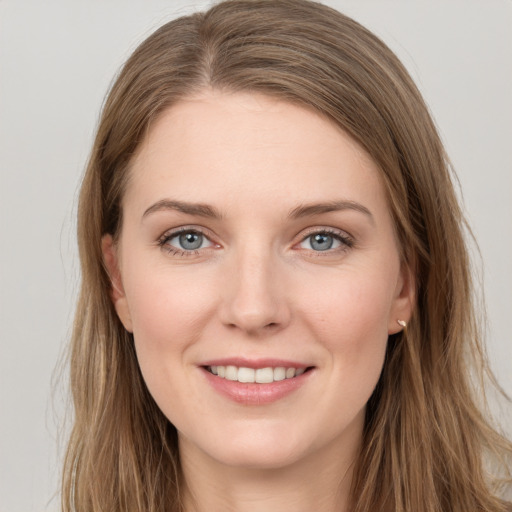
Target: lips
265 375
256 382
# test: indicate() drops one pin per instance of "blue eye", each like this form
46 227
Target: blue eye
190 241
325 241
321 242
185 241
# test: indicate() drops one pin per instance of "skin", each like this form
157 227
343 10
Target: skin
258 288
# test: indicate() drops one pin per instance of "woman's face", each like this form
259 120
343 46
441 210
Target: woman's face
259 272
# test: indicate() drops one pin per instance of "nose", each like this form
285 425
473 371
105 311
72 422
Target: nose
254 298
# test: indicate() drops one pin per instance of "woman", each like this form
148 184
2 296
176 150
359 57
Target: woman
276 300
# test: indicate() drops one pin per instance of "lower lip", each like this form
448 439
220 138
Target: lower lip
253 393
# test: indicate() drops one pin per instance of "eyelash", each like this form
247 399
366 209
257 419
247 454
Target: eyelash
175 251
346 241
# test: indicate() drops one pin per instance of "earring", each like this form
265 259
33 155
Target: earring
403 323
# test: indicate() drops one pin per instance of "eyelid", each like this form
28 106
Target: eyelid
174 232
325 229
346 239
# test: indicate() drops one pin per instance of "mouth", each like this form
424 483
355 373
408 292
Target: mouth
256 382
266 375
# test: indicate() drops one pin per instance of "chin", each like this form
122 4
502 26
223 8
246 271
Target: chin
258 447
261 456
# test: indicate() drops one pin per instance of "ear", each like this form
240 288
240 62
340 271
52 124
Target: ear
404 300
117 295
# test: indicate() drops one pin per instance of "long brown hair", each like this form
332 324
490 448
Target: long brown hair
426 441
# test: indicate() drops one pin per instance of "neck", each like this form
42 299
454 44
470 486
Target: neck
319 482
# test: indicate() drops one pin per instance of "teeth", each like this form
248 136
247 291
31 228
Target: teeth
246 375
231 373
264 375
261 375
279 373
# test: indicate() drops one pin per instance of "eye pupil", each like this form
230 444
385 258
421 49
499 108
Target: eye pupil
191 241
321 241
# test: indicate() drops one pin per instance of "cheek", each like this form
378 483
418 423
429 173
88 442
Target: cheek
165 306
350 319
353 304
169 312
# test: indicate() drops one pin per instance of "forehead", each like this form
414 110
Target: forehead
241 148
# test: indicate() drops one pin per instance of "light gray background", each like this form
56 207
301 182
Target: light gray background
57 59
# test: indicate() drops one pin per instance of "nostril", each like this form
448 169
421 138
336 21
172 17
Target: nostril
272 326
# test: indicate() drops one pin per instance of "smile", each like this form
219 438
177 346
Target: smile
259 375
266 382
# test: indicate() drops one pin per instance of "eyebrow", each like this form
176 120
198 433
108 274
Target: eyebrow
308 210
301 211
199 209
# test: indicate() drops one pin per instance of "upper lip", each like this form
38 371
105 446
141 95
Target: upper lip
255 363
